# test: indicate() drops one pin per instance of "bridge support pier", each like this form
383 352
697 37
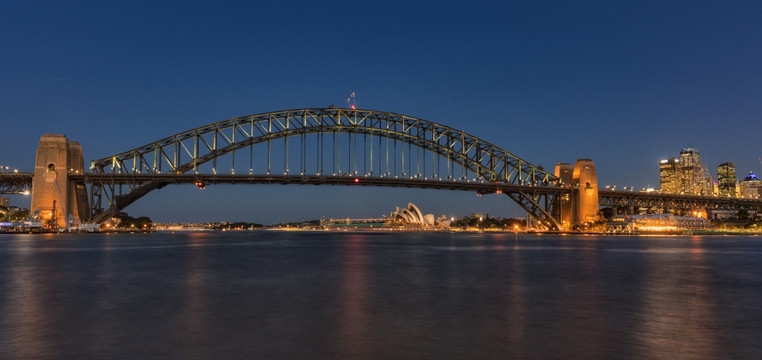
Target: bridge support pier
53 195
563 208
585 181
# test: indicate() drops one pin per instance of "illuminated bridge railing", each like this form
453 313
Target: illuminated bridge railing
478 187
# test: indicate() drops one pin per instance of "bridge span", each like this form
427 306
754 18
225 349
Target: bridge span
21 183
319 146
16 183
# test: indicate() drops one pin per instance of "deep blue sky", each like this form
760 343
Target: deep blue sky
623 83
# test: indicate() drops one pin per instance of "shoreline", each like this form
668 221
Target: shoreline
397 230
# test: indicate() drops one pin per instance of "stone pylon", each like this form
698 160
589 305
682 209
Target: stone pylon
585 180
57 157
562 210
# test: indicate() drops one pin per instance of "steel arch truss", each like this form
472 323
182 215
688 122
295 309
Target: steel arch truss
673 201
16 183
186 152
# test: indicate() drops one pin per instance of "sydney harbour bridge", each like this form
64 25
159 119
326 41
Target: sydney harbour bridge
319 146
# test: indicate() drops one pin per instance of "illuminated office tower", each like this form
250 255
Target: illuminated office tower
726 179
692 173
685 175
669 176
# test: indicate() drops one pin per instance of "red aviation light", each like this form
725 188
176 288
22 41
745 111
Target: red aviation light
357 180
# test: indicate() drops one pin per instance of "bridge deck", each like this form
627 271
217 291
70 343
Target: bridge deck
672 201
478 187
17 183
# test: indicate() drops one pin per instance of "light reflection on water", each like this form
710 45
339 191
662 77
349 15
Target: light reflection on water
377 295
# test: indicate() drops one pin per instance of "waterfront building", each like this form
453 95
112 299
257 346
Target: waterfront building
751 187
657 223
412 216
409 218
730 214
357 224
726 179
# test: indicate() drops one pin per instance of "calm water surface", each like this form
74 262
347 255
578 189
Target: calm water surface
270 295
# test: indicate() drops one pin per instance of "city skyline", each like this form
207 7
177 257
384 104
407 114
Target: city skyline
624 85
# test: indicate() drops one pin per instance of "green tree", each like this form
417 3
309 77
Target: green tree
143 222
127 221
18 215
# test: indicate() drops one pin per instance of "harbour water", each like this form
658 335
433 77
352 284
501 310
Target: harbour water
301 295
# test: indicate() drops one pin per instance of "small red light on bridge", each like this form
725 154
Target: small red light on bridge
357 180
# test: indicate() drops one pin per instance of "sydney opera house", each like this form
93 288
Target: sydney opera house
412 216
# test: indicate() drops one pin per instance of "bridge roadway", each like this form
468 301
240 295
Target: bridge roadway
606 197
17 183
480 187
620 198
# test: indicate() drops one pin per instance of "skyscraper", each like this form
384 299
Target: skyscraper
726 179
669 176
685 175
692 173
